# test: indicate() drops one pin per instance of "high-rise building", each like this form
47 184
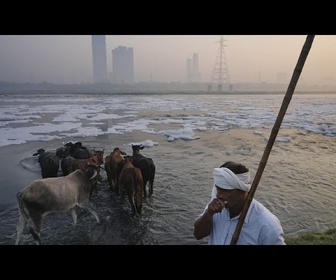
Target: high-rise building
192 69
188 70
99 63
123 65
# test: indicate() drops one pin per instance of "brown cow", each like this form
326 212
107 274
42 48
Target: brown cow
83 164
130 181
100 155
69 163
114 163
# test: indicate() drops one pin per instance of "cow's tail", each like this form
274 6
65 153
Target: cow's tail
23 218
22 209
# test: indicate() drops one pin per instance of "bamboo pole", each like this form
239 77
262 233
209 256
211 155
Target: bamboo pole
288 96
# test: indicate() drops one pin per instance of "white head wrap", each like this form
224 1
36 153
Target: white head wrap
224 178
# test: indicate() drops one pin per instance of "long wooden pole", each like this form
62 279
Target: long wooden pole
288 96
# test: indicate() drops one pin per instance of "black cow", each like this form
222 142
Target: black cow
49 163
147 168
77 150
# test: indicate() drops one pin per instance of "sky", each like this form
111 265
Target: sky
23 118
67 59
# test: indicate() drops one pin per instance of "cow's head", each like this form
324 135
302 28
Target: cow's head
137 147
39 152
91 172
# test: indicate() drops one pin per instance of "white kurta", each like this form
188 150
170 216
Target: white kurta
260 227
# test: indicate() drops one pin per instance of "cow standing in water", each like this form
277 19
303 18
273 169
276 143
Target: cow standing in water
49 163
147 168
130 181
114 163
54 195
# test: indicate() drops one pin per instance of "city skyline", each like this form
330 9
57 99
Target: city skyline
67 59
99 62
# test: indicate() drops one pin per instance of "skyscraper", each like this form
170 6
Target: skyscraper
188 70
99 62
123 64
192 69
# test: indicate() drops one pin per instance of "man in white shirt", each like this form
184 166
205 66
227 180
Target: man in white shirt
220 216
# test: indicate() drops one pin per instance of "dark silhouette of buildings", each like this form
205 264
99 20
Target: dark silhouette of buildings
99 59
123 65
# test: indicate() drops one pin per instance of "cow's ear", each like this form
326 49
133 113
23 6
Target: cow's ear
142 147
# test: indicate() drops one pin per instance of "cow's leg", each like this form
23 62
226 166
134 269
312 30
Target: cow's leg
86 205
145 188
20 227
93 188
74 215
36 218
150 187
112 184
116 186
131 199
138 198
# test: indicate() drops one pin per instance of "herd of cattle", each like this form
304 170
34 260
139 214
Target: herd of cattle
80 171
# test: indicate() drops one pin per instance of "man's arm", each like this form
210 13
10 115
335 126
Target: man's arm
203 224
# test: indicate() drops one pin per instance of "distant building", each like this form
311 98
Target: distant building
192 69
123 65
188 70
99 63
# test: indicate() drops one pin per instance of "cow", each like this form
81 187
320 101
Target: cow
77 150
100 160
83 164
49 163
100 155
130 181
69 163
65 164
114 163
147 168
53 195
63 152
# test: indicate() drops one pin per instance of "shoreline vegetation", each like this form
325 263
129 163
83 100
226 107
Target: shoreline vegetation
313 238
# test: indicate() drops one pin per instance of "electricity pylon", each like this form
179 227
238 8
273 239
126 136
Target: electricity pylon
220 73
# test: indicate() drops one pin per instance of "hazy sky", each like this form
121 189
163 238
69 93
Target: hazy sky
67 59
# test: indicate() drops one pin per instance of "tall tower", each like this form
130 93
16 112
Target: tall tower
192 69
123 64
220 73
188 70
99 62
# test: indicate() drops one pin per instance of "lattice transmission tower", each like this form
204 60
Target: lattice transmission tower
220 74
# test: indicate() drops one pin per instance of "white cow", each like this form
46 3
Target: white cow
52 195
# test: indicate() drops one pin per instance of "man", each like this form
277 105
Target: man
220 217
